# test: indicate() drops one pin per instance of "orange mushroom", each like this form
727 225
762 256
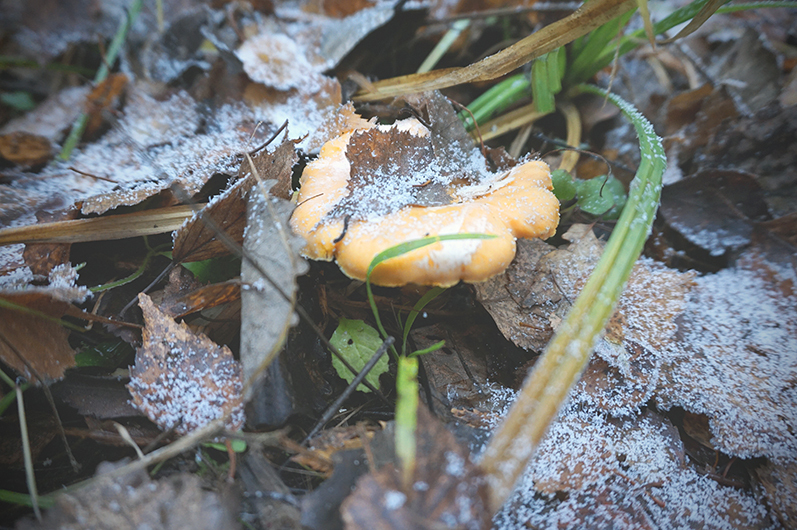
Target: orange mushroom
378 186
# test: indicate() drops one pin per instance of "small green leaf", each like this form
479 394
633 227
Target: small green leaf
357 342
105 354
215 270
563 186
18 100
601 196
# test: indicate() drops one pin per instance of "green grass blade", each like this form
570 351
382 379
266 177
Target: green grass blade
569 351
113 52
416 309
406 416
399 250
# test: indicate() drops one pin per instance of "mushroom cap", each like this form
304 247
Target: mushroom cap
517 203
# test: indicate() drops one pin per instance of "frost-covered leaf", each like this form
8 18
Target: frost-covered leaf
197 241
735 359
313 117
292 54
358 342
183 380
595 472
530 300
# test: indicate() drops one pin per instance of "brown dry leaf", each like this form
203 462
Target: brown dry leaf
313 117
448 490
103 97
134 501
182 380
25 149
458 371
32 342
530 300
42 258
201 298
624 473
524 301
197 241
331 441
734 358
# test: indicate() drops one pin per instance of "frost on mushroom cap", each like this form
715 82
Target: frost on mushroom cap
371 189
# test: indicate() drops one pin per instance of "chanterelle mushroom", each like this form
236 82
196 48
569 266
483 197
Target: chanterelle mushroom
377 186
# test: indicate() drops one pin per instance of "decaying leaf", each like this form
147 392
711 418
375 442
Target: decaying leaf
734 359
25 149
447 489
595 472
713 210
267 305
529 301
32 340
182 380
135 501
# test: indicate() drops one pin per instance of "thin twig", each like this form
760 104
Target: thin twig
335 407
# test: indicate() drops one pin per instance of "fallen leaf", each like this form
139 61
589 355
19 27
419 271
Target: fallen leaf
713 210
136 501
733 358
357 342
32 342
197 240
103 98
267 307
182 380
447 488
530 300
592 472
201 298
25 149
44 257
777 480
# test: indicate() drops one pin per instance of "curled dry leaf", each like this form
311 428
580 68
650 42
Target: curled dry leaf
197 241
183 380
